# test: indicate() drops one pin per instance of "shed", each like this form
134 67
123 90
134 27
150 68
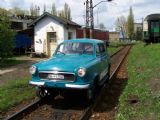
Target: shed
50 30
114 36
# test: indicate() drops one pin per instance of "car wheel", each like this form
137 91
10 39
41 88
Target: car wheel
41 93
53 93
90 95
108 73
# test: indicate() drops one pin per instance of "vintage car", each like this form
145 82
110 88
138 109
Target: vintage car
80 64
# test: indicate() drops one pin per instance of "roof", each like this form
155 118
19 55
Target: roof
85 40
59 19
153 17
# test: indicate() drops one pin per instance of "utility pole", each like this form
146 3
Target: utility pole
87 19
87 13
90 15
97 18
91 19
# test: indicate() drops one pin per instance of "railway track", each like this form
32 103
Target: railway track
62 109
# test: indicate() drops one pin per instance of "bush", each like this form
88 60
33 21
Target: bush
6 36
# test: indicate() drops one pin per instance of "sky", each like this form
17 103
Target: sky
106 12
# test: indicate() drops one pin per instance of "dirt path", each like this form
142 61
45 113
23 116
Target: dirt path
107 109
18 71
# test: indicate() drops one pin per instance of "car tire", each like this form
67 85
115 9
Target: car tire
90 95
41 93
108 73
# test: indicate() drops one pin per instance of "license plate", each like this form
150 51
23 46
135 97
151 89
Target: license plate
53 76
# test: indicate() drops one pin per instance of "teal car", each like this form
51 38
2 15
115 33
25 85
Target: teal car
80 64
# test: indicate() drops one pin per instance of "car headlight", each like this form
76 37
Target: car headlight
32 69
81 72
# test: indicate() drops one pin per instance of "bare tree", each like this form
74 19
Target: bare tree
34 10
61 13
102 26
53 10
66 12
18 11
44 8
121 25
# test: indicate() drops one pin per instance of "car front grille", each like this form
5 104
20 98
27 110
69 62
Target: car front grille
56 76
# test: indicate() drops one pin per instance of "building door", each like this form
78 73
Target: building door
51 43
70 35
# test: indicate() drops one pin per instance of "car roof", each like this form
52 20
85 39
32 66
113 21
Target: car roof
85 40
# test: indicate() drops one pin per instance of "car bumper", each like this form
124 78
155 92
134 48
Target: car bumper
85 86
61 85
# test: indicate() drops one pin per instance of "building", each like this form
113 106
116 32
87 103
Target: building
96 34
114 36
24 34
138 27
50 30
21 22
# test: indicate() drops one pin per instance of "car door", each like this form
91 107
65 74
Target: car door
104 62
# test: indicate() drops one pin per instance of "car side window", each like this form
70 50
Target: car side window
97 50
100 49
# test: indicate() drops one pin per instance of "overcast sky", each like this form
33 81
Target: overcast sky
107 11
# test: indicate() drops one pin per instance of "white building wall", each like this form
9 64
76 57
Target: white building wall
70 29
45 25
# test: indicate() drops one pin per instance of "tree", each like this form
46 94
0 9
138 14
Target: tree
66 12
44 8
130 24
6 35
102 26
61 14
34 10
69 14
53 10
121 25
18 11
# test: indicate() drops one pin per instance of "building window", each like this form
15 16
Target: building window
70 35
52 37
17 25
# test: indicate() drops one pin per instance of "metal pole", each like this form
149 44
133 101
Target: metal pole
91 14
87 13
91 19
87 19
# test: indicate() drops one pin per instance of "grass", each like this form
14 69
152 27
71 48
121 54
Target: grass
143 67
10 62
112 50
115 46
15 92
118 43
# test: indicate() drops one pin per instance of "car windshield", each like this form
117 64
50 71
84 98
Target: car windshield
75 48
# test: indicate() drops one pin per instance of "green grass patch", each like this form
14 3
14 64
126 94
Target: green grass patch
143 66
10 62
112 50
15 92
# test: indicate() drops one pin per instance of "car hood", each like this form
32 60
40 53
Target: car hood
64 63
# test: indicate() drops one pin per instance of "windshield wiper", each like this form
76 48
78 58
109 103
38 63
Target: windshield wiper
86 49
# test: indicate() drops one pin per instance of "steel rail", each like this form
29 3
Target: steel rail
88 112
26 110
